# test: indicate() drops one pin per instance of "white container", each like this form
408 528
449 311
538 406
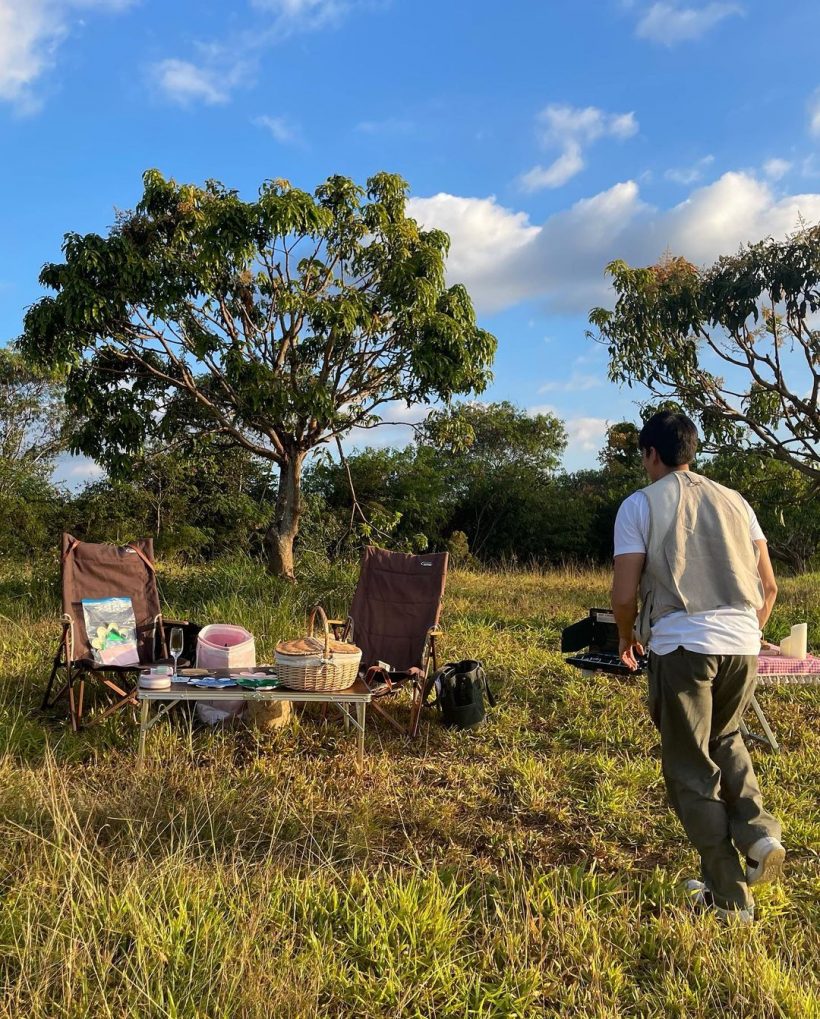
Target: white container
799 640
223 646
786 647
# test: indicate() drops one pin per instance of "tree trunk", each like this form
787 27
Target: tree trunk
285 525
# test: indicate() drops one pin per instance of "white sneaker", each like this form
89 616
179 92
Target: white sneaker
701 898
764 861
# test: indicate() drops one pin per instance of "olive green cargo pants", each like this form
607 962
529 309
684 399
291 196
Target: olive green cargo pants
697 701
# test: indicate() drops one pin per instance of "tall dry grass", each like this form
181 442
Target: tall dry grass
529 868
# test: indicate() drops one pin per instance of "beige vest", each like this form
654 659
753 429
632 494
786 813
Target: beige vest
700 555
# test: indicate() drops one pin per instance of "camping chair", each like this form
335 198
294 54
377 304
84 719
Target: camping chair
394 619
91 570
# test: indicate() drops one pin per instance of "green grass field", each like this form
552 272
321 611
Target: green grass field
527 869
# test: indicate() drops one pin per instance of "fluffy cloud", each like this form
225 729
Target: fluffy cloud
185 83
227 63
303 13
776 168
689 174
814 115
571 128
585 434
281 129
30 35
669 23
576 383
503 258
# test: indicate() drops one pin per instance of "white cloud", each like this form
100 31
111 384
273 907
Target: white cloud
483 232
31 33
585 434
396 430
281 129
776 168
557 173
75 471
228 63
303 14
576 383
390 125
814 115
689 174
185 83
503 258
669 22
561 124
570 128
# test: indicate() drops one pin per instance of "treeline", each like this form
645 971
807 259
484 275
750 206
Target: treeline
484 481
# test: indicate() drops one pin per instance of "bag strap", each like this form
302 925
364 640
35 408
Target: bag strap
486 685
142 555
70 549
432 681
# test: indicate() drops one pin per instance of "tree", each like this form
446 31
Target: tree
497 456
783 500
31 436
276 324
31 419
406 492
733 343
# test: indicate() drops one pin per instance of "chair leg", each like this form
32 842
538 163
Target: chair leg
72 708
388 718
60 660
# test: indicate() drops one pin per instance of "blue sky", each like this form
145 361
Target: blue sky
547 138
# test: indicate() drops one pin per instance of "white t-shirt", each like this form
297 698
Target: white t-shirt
725 631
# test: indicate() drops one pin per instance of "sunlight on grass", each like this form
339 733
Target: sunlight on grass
529 868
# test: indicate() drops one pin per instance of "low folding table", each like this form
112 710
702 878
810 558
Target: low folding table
772 670
357 696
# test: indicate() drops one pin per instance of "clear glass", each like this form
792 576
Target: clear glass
176 646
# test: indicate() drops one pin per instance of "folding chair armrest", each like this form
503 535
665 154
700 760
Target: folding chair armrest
432 648
343 626
68 635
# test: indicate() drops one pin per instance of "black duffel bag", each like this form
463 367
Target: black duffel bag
460 688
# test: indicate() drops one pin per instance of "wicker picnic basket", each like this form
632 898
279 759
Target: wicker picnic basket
317 665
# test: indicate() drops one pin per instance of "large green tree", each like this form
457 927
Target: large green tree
735 344
31 436
497 457
31 422
276 324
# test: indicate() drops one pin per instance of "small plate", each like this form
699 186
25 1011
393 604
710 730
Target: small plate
258 682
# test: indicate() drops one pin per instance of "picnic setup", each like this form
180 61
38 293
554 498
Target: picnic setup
592 644
114 635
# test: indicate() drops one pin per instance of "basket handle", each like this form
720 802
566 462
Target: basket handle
318 610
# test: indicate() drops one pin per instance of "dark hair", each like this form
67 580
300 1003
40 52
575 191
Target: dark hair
673 435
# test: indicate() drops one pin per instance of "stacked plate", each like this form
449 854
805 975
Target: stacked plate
155 681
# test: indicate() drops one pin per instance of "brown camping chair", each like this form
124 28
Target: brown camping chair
394 619
90 570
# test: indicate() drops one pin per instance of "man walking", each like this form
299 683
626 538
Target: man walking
699 557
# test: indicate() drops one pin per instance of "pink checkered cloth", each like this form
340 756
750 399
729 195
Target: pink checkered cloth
774 670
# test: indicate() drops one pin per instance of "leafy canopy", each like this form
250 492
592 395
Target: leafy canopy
277 323
734 343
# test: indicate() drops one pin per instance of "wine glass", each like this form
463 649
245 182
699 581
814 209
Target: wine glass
176 646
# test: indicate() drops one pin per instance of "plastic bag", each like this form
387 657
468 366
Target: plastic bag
112 630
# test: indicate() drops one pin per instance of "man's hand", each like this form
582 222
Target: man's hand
628 651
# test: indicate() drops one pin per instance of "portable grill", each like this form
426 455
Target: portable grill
597 637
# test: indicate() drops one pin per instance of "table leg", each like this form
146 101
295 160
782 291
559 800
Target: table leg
361 708
143 731
765 725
